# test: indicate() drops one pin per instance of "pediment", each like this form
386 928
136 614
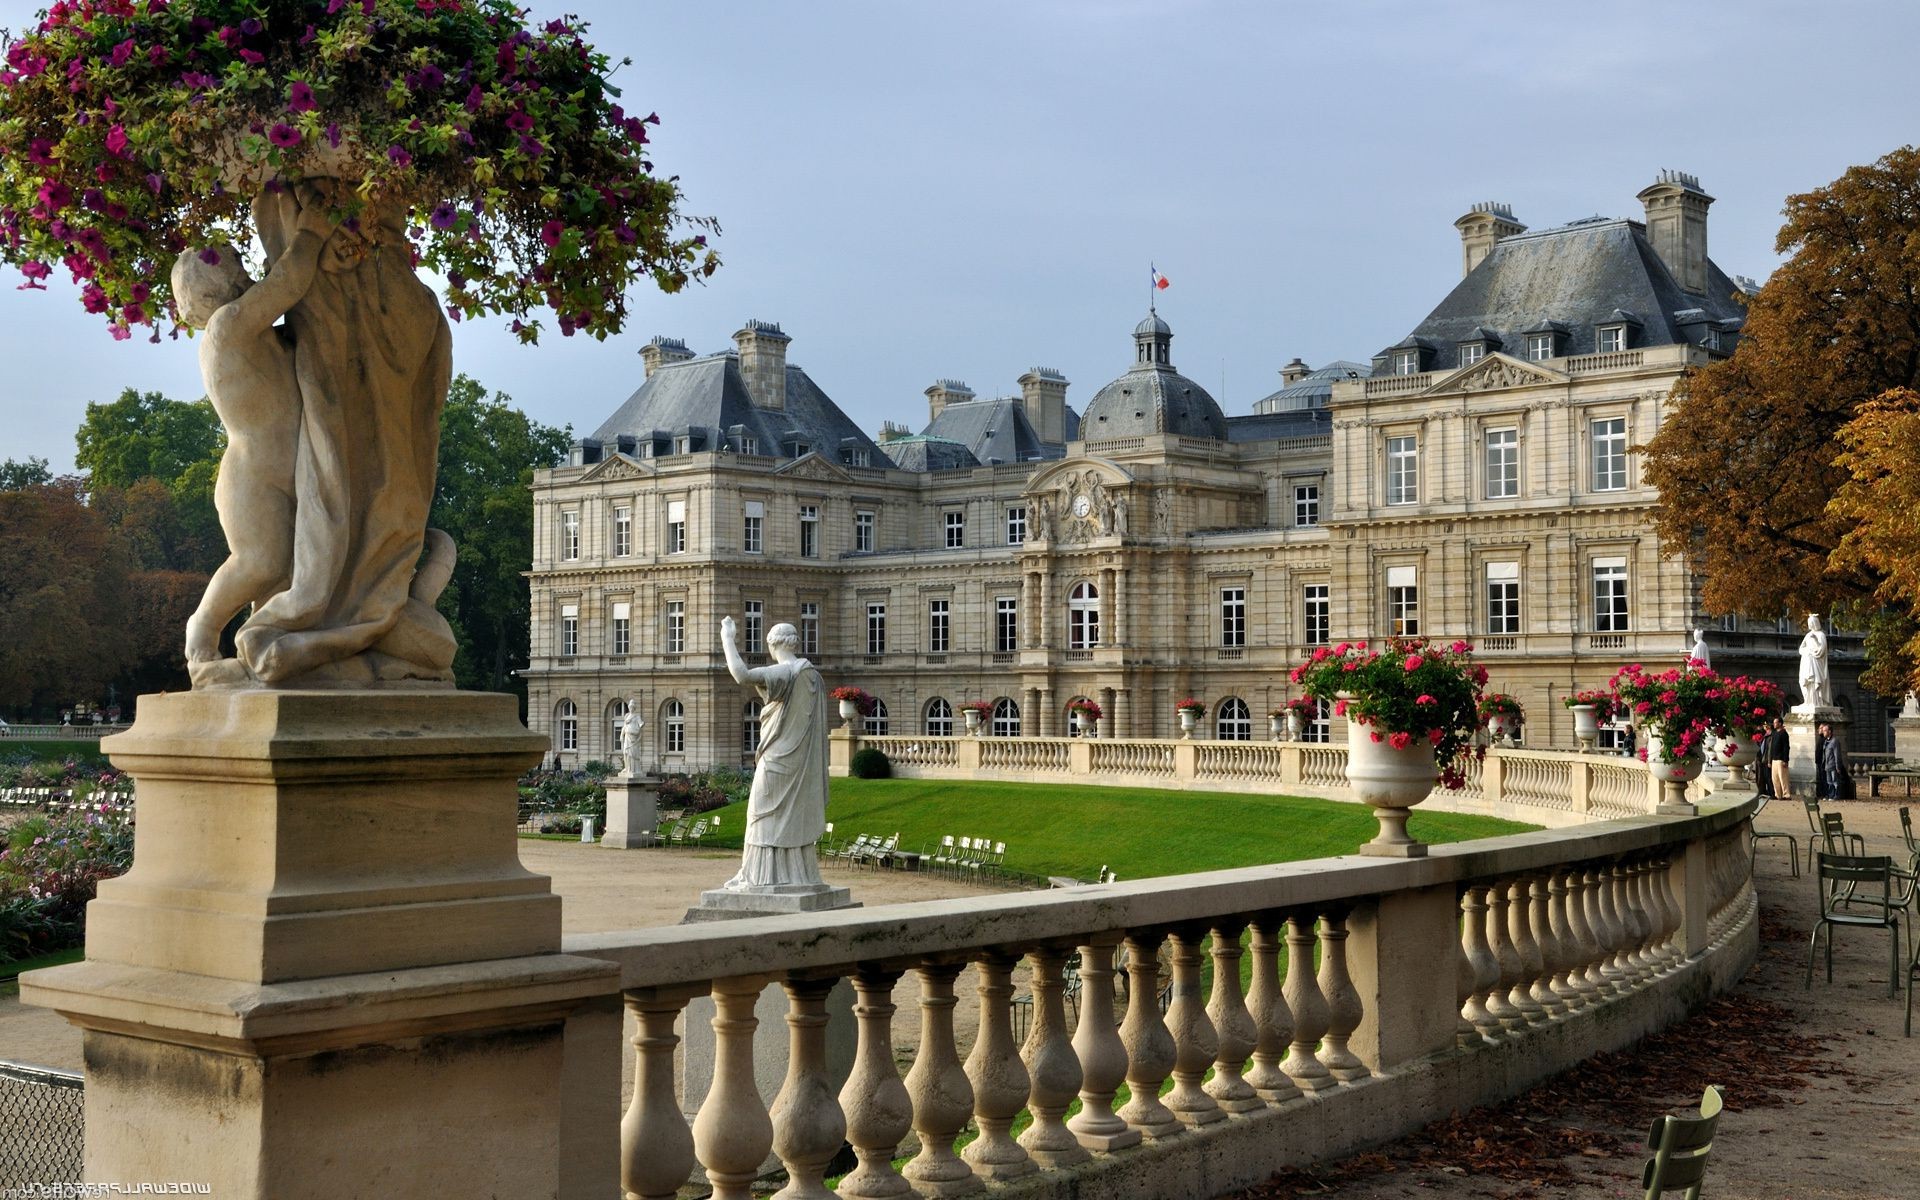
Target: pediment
1066 472
1496 371
618 467
812 466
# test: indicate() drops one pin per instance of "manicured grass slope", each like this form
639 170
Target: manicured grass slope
87 751
1139 832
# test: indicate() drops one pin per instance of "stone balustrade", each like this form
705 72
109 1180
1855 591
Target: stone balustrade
1441 983
1543 787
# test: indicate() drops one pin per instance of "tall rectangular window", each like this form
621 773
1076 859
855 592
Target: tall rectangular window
1233 616
622 531
1503 598
939 626
1006 624
1017 525
1503 463
810 628
1612 338
863 533
753 527
676 526
1319 616
956 523
622 628
1403 470
1403 602
1472 352
1306 504
1609 454
569 630
877 628
1610 595
675 639
570 536
809 531
1539 347
755 612
1406 362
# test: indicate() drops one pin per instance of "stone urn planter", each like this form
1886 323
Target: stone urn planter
1497 726
1391 782
972 718
1673 776
1586 726
1296 725
1736 754
1188 719
1081 723
849 710
1277 727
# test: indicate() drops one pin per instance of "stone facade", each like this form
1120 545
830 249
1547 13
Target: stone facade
1482 481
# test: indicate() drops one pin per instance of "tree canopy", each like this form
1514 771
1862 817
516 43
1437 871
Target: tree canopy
15 474
134 130
63 597
144 435
1749 455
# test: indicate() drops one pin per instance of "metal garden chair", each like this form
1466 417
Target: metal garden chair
1847 884
1759 835
1680 1147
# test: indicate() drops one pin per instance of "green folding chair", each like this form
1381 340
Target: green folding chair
1680 1147
1759 835
1848 897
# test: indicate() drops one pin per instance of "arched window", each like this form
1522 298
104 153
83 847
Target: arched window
1006 718
673 727
750 728
1233 721
616 713
566 724
939 718
876 724
1083 616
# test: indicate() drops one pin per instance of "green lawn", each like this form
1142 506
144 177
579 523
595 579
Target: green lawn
1073 830
87 751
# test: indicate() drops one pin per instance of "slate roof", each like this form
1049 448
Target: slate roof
1311 390
1290 423
708 394
994 429
1152 398
1577 275
918 452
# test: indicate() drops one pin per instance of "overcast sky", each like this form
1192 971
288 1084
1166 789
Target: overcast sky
968 190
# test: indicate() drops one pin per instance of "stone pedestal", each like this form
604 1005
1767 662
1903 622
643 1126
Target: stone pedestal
1802 734
719 904
633 812
1906 732
327 972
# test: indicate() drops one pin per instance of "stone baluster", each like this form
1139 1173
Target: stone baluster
879 1113
1196 1042
1631 928
732 1134
1666 917
1232 1024
1566 947
1634 903
1676 916
1540 924
1507 956
1150 1048
1102 1055
656 1146
942 1097
1607 928
1000 1082
808 1126
1052 1066
1308 1006
1581 974
1272 1020
1526 950
1343 1001
1485 968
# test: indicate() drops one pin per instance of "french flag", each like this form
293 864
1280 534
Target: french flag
1159 280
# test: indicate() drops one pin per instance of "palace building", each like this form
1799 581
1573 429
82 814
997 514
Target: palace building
1477 479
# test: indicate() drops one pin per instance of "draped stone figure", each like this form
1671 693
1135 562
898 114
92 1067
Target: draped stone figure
1816 684
787 806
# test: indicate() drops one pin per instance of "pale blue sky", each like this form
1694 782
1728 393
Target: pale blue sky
968 190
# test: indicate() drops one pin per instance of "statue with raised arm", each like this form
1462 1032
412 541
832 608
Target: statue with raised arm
1816 685
787 805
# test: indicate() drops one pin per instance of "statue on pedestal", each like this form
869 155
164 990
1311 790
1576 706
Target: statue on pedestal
1698 652
1816 685
630 727
787 806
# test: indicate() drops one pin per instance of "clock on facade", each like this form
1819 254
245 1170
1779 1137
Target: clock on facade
1082 506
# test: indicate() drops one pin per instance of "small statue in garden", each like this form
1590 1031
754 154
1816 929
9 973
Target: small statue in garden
630 727
1816 686
1698 652
787 806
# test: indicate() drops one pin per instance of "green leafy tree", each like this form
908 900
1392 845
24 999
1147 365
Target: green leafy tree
63 597
144 435
15 474
488 453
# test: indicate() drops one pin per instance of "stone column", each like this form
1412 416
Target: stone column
1106 708
1122 713
1030 609
1038 711
1106 607
1120 622
1045 614
1803 736
327 965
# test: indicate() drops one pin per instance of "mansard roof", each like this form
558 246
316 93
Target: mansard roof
708 393
1577 275
994 429
918 452
1312 390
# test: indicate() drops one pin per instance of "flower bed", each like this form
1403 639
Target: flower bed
50 869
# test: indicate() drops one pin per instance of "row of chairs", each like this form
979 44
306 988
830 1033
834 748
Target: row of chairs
1862 891
964 856
690 831
865 850
52 798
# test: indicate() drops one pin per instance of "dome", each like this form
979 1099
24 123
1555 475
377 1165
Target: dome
1152 397
1152 326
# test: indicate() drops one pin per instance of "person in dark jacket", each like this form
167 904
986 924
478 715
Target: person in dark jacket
1835 782
1779 749
1763 765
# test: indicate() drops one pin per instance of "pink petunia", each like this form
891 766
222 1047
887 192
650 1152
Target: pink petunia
552 232
1414 662
283 135
117 141
1339 708
1401 740
300 97
1423 698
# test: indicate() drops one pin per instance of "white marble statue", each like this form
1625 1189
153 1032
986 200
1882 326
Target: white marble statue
787 806
630 727
334 427
1816 685
1699 652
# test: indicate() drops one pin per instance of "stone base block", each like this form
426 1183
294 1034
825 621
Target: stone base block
633 812
719 904
1676 808
1803 729
1395 850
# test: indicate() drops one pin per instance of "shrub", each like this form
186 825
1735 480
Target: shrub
870 763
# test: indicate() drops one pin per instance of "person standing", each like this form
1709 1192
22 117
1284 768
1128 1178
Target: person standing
1835 782
1779 750
1763 767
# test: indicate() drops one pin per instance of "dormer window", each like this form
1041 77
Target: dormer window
749 445
1610 338
683 445
1540 347
1406 362
1472 352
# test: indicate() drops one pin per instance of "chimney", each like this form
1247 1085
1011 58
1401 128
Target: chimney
1485 223
1043 394
945 392
1677 227
1294 372
661 351
763 363
890 432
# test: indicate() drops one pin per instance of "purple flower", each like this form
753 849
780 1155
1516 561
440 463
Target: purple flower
253 56
121 53
530 147
156 181
333 134
198 81
156 54
117 141
251 27
551 232
35 272
284 135
519 121
399 156
55 195
229 36
432 78
300 97
40 152
444 215
474 98
210 256
305 37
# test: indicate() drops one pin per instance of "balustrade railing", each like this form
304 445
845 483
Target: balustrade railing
1130 758
1541 950
916 751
